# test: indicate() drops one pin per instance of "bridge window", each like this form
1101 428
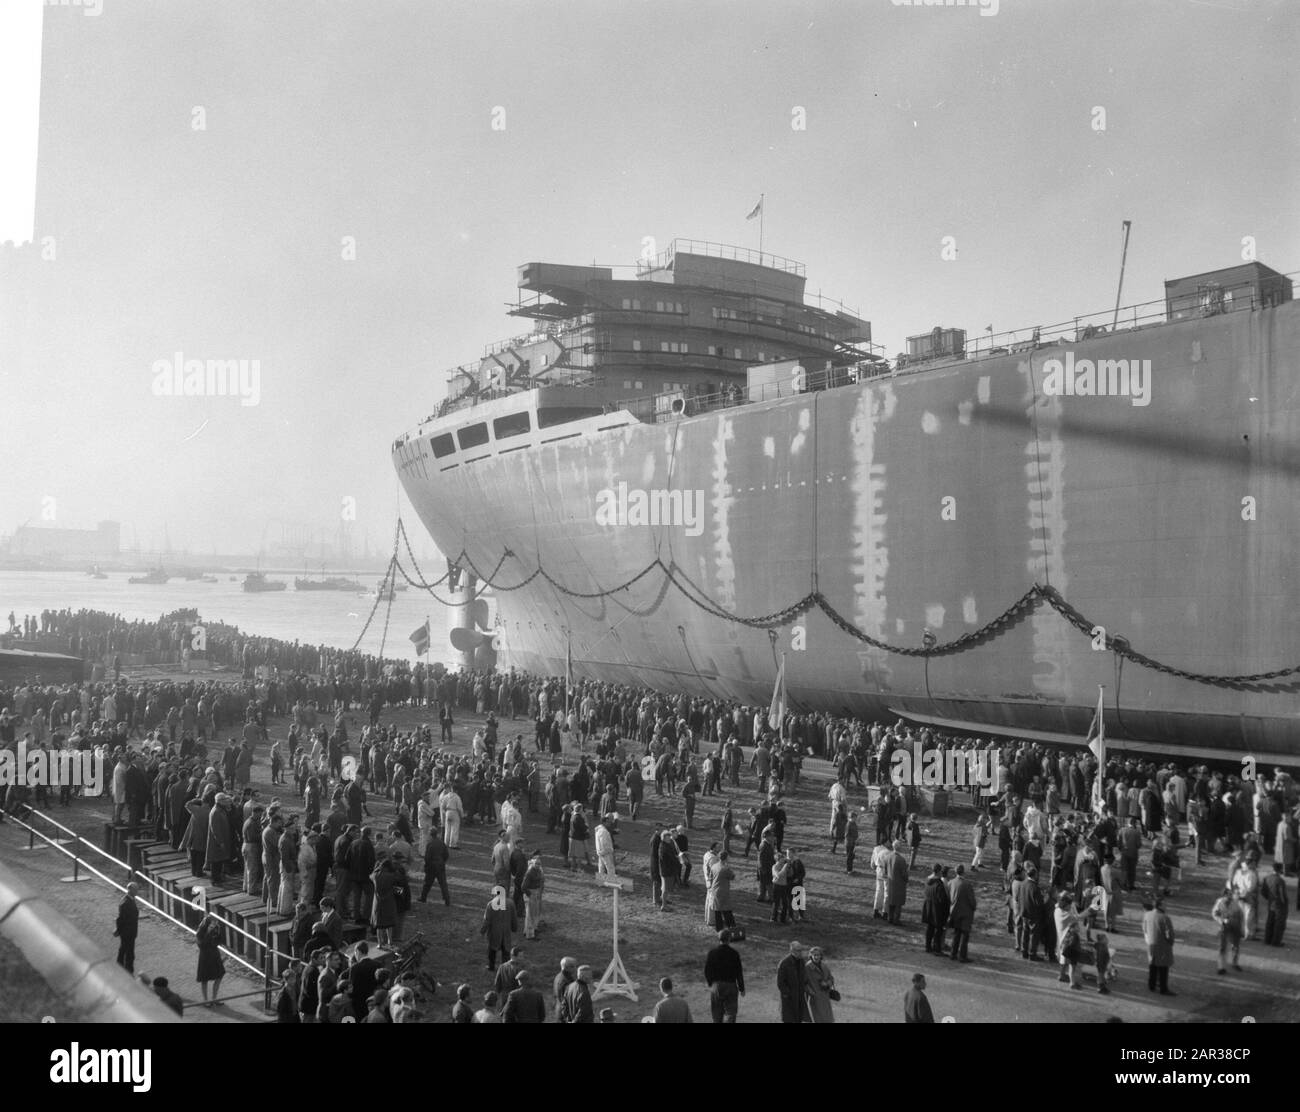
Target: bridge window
514 424
442 445
473 436
548 416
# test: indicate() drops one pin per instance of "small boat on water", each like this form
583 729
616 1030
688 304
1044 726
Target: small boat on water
156 576
95 573
387 594
257 581
329 583
207 579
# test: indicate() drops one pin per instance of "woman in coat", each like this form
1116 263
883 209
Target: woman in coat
211 967
383 915
819 986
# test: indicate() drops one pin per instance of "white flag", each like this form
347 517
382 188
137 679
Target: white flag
755 210
776 712
1097 743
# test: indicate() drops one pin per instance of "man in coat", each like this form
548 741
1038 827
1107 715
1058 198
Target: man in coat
935 910
916 1008
961 894
1273 890
127 928
791 984
1158 933
1029 910
577 1006
220 848
498 927
525 1004
898 869
435 866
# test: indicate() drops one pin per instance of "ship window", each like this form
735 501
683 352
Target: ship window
442 445
636 345
548 416
473 436
627 384
663 345
636 303
738 355
659 306
627 303
514 424
638 385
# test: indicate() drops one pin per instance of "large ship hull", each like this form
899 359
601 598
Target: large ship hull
933 500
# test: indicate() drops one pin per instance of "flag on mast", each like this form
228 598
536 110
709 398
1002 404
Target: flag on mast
776 712
1097 743
568 674
756 210
420 638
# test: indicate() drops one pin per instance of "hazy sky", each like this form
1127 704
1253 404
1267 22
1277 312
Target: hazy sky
327 119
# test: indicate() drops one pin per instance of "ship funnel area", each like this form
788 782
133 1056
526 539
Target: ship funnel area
470 635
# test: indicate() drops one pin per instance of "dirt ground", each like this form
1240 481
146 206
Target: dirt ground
872 962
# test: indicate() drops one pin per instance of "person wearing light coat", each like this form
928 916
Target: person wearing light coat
604 852
452 813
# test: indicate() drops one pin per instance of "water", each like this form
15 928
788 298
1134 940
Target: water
332 618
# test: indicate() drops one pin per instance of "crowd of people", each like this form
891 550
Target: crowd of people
1066 868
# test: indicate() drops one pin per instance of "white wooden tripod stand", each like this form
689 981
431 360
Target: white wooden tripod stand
615 981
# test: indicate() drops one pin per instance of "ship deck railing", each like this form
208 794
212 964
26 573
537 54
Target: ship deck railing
664 258
1213 300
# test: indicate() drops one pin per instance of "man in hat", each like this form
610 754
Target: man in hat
792 984
525 1004
127 928
725 977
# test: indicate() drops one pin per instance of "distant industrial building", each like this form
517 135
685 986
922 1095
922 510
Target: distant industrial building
101 543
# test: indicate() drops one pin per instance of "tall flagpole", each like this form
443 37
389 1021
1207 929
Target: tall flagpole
762 207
